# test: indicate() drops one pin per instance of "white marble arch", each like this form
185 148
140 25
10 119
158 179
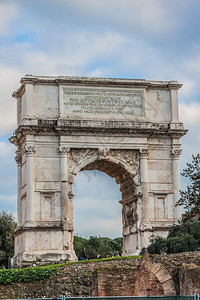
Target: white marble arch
127 128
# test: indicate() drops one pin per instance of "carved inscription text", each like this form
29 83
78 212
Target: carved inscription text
103 103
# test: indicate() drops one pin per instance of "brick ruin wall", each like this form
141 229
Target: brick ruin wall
151 275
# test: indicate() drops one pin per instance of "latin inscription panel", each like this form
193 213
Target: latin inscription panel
103 104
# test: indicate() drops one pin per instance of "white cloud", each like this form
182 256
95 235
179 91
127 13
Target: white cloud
190 113
6 149
153 17
189 88
9 82
75 53
99 227
193 64
7 12
99 72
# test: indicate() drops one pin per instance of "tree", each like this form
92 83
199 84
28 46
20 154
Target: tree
119 240
79 243
97 245
190 199
157 245
7 227
182 237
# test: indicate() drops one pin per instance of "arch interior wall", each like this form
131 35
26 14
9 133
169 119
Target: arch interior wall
127 128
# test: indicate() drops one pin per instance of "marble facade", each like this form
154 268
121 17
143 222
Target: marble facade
127 128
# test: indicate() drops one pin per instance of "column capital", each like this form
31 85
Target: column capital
29 150
176 153
143 153
64 150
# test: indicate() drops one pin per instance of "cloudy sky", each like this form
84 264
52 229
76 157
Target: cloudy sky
149 39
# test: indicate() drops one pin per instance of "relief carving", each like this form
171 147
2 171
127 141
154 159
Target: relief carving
129 158
103 152
126 157
129 216
78 155
18 158
29 150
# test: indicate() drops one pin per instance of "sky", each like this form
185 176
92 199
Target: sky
138 39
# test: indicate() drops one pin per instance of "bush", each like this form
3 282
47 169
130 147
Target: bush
8 276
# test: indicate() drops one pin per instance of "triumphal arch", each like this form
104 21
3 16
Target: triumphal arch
127 128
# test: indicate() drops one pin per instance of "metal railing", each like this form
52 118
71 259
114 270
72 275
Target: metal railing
193 297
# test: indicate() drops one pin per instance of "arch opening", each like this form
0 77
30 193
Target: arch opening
129 198
96 208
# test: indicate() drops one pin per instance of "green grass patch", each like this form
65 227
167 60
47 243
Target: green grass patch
96 260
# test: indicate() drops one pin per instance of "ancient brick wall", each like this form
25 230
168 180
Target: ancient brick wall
190 279
118 282
150 276
184 269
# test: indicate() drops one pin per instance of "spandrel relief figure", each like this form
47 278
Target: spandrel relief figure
129 216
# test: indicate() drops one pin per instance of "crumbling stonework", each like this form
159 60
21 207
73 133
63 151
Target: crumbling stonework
184 269
151 275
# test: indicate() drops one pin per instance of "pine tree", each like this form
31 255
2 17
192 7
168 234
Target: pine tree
190 199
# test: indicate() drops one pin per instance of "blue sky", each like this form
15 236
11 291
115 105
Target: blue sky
150 39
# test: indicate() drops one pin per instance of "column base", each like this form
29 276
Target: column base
131 253
38 258
42 245
30 224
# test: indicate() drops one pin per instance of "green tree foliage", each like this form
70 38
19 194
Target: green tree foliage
186 235
7 227
98 245
182 237
190 199
157 245
119 240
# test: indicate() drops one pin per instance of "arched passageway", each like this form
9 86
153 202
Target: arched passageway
97 211
126 176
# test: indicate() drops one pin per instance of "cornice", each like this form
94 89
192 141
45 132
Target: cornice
72 127
95 81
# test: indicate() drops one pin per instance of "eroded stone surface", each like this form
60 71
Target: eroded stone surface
129 129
